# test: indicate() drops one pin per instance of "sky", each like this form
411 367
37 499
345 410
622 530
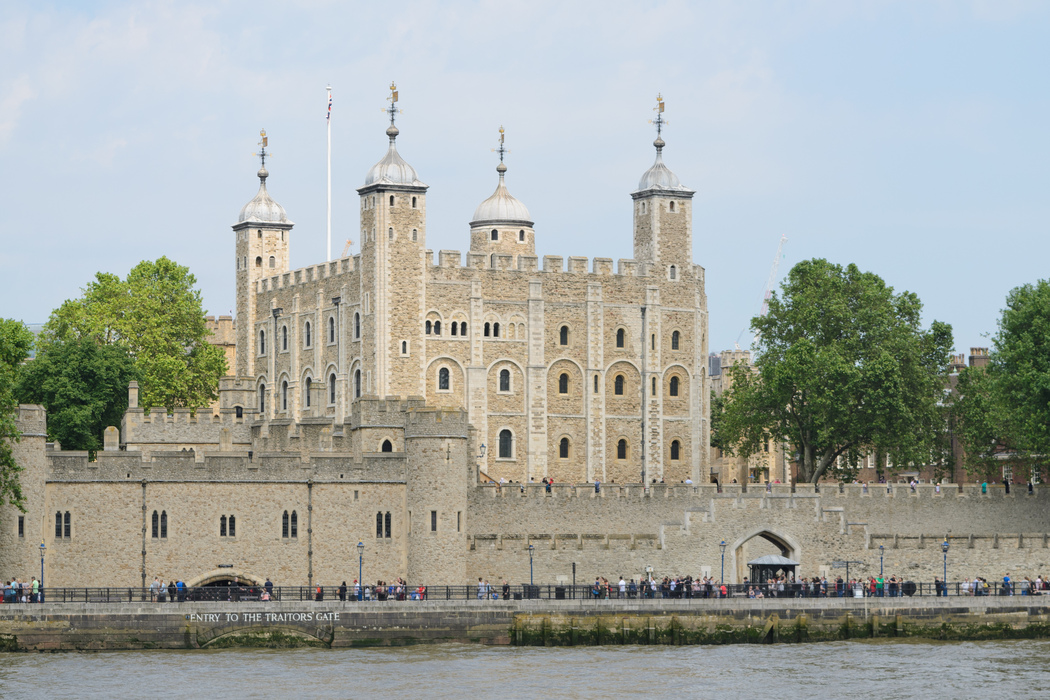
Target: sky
909 138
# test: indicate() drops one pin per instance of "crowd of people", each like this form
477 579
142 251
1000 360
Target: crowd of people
15 591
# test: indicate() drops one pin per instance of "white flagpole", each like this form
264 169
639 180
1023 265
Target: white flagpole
329 120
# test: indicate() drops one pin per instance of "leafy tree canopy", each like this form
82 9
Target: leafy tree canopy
83 384
157 315
1003 410
15 343
843 367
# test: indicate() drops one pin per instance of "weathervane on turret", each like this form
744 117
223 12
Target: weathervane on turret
262 148
392 110
501 150
659 121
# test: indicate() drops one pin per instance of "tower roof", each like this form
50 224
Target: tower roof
393 169
262 209
659 176
502 206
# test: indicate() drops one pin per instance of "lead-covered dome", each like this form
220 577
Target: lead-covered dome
659 176
393 169
262 209
502 206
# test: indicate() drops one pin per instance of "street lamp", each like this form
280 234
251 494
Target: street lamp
360 568
882 549
722 546
944 548
42 548
531 548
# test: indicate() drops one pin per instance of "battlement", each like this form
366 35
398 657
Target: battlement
309 274
374 411
554 264
431 422
222 330
32 420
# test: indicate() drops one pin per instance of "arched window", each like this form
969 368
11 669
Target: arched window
643 207
392 201
563 383
386 522
284 337
429 327
675 339
258 261
506 444
233 526
285 525
58 526
443 379
262 398
564 335
390 233
437 327
455 328
463 328
674 386
521 235
259 233
309 385
331 329
413 202
488 328
596 384
504 380
156 524
262 342
357 384
295 524
621 449
495 235
618 385
284 396
620 337
307 337
415 233
404 347
238 411
672 206
387 447
331 388
379 524
495 330
273 262
222 526
357 325
674 272
676 450
652 392
163 524
563 448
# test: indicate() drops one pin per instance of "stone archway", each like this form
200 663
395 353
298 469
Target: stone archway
217 575
757 542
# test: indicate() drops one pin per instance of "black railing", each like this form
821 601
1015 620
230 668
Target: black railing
637 592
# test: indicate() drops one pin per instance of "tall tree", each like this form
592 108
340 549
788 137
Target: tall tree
1003 410
83 384
157 315
15 343
843 367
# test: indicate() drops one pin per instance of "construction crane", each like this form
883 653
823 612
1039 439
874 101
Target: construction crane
769 287
346 248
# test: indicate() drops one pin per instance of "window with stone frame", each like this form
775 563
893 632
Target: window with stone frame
621 338
504 380
621 449
443 379
675 338
506 444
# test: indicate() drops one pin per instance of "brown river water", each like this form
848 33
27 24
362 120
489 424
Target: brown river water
857 669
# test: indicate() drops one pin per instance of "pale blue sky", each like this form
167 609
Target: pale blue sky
908 137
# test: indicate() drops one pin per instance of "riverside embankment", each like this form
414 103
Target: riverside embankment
113 626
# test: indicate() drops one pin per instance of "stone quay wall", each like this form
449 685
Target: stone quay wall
107 626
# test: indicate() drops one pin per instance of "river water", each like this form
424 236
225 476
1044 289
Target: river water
858 669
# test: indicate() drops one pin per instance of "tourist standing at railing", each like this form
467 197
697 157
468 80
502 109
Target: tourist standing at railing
153 588
171 591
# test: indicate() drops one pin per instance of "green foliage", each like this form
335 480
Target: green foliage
1002 411
157 315
83 384
15 343
717 410
843 367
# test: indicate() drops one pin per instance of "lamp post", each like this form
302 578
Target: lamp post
42 548
360 568
531 548
882 549
722 546
944 548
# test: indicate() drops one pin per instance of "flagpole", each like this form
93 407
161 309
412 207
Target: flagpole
329 218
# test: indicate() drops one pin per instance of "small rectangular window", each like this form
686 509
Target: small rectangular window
459 519
21 526
433 521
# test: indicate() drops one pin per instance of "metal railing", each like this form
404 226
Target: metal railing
525 591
